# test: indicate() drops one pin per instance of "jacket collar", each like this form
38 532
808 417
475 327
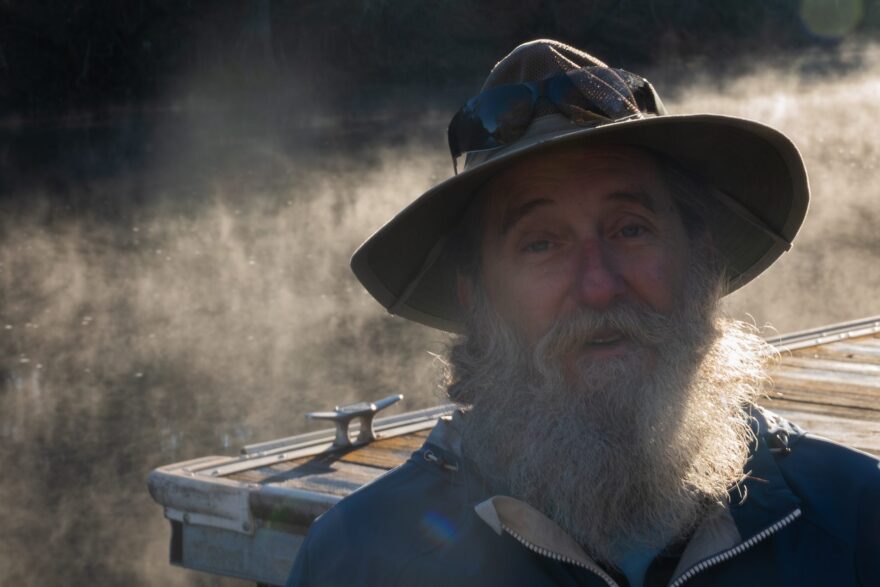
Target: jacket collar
761 499
764 495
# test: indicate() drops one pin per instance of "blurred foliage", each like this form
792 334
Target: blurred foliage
61 56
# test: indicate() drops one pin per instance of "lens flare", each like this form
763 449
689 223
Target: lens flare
832 19
438 528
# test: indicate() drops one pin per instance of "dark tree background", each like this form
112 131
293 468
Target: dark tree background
66 57
88 79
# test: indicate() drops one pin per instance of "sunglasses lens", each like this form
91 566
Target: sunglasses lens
496 117
587 96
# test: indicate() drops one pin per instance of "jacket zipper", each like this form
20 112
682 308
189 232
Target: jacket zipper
558 557
738 549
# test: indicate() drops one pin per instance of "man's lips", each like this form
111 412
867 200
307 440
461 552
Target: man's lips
604 338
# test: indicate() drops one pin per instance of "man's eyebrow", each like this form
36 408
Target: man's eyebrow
640 198
514 215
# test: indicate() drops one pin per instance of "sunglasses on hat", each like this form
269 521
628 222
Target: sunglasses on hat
588 96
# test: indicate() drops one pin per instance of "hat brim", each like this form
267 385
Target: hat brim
757 169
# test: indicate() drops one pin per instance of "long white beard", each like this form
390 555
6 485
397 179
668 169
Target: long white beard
632 453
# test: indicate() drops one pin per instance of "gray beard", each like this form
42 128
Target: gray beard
638 448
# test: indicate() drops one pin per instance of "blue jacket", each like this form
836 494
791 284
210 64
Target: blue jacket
809 515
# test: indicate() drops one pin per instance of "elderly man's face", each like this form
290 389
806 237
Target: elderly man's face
581 229
576 245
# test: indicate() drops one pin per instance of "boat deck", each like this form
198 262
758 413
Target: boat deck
828 382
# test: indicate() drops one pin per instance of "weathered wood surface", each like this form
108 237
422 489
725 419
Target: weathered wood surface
341 472
832 389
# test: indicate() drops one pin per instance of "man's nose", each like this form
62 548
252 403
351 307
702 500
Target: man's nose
598 282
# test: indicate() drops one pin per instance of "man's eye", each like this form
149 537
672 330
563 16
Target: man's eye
632 230
538 246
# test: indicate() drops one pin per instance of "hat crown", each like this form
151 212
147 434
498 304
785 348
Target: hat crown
537 60
600 94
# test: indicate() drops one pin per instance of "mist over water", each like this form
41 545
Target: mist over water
832 273
188 325
203 301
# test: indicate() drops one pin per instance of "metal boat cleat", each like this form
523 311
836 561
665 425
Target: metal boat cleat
342 416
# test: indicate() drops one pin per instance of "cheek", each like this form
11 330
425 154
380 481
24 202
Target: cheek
658 282
528 301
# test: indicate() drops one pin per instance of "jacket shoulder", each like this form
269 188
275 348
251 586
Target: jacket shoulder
840 489
831 477
819 470
370 535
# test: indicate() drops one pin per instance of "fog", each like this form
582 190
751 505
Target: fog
202 300
830 112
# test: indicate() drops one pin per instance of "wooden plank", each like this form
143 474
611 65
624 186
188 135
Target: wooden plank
260 474
861 435
839 379
340 479
858 374
776 404
860 412
383 460
858 350
251 475
385 454
826 388
829 365
322 475
835 397
828 380
831 399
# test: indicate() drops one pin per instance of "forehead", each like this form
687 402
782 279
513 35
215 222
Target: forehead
585 172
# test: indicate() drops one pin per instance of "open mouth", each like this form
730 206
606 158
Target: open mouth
605 339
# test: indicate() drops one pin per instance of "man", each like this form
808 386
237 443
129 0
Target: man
607 434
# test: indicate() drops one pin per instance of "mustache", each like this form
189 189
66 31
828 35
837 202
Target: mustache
633 322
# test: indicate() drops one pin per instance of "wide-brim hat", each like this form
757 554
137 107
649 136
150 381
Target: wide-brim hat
757 172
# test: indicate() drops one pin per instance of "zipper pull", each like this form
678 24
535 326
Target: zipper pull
432 458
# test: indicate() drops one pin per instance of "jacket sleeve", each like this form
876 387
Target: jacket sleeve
868 534
299 575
